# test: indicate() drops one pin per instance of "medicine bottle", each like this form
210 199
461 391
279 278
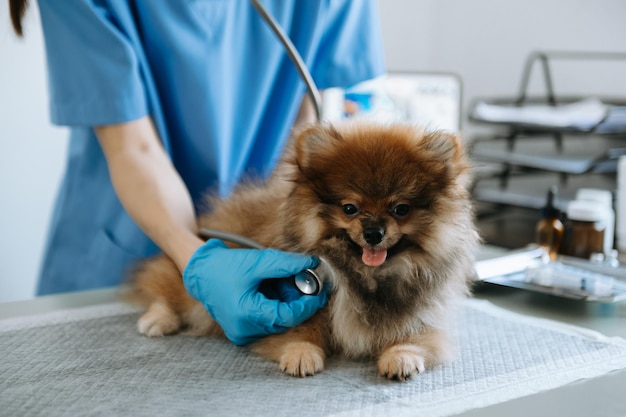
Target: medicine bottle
584 229
604 197
620 206
549 230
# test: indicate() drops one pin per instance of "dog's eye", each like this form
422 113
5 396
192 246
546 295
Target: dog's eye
401 210
350 209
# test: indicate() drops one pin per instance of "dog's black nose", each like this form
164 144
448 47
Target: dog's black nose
373 235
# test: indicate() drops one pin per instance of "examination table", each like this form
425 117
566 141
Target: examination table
80 354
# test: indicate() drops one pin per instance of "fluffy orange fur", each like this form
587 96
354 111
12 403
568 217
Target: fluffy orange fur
334 186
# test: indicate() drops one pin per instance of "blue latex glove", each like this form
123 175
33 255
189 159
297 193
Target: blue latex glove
227 282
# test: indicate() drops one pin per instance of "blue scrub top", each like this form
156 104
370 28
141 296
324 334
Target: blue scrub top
218 85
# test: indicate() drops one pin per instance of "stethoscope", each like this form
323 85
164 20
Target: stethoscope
295 57
308 282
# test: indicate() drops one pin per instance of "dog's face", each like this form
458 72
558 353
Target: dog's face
381 190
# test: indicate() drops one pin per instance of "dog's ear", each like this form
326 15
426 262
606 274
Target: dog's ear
449 148
315 141
445 146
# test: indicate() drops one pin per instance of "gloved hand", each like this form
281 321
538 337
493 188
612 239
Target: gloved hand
226 281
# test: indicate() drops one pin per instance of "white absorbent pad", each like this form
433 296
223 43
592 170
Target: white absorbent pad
93 362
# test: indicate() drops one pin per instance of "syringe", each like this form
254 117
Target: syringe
559 276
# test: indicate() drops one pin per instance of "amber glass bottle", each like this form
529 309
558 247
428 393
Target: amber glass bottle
549 231
584 229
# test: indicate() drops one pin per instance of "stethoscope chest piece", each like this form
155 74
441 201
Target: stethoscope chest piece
308 282
311 281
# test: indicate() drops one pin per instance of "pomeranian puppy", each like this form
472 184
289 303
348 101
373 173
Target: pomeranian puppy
387 207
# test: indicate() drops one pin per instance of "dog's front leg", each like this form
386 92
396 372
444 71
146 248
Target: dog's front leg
300 351
402 360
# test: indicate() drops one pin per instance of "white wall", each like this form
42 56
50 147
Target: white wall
487 42
31 157
484 41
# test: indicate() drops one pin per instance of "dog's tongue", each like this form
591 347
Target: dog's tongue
373 257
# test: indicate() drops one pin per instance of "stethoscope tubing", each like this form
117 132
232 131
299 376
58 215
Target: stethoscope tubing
307 281
295 57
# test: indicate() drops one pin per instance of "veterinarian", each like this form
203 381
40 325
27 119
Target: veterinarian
166 100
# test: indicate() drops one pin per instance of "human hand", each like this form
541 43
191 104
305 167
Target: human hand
227 282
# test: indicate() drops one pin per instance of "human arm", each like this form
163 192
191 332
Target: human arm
226 281
149 187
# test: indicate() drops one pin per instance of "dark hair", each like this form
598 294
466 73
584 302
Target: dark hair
17 10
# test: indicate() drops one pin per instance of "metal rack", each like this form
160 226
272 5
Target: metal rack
532 153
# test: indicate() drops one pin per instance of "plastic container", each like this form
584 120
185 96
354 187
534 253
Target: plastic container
620 205
584 229
605 198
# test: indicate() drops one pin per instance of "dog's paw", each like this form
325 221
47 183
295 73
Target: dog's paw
158 321
401 362
302 359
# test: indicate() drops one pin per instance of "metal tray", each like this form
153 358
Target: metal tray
521 269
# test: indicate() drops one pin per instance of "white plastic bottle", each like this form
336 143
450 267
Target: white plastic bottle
620 205
605 198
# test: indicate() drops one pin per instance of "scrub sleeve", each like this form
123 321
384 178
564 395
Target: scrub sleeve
219 87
